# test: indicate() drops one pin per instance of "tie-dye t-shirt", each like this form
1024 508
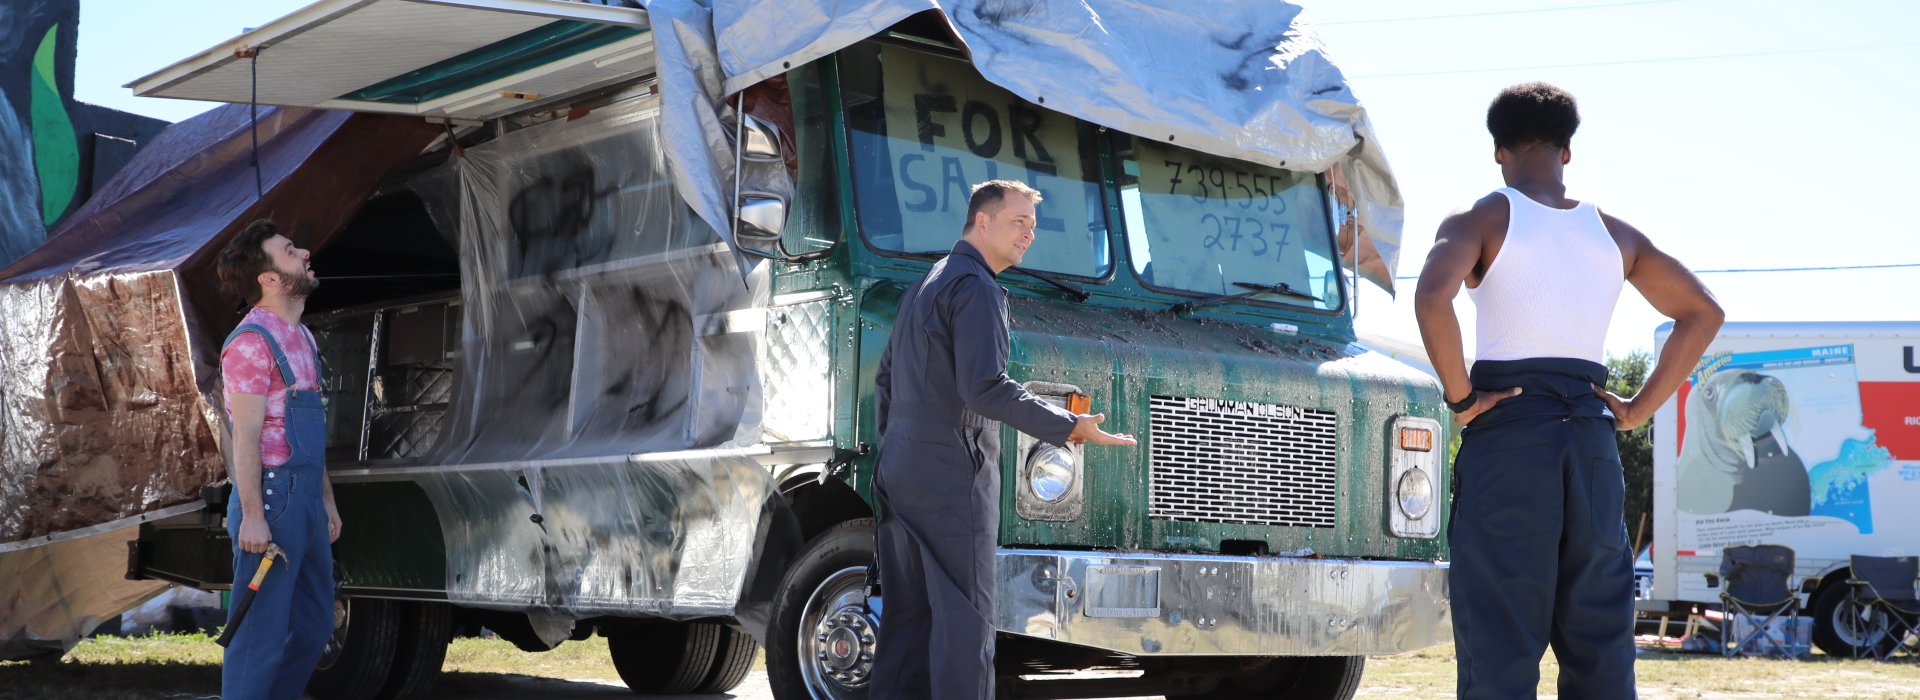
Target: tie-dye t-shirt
248 368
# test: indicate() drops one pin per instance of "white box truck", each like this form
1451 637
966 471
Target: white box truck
1798 434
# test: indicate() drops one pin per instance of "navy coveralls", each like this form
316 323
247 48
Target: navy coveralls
942 391
1539 541
277 645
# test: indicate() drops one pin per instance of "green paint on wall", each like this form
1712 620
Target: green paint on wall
56 153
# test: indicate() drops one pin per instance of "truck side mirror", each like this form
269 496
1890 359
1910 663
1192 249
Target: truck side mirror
760 215
762 218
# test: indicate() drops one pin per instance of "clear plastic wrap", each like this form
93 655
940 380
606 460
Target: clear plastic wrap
597 452
52 595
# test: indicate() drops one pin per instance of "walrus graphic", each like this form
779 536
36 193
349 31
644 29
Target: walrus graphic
1736 455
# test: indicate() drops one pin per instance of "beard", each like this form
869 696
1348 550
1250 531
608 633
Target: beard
300 282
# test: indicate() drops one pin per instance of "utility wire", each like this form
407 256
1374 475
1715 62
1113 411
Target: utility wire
1826 268
1494 13
1809 269
1638 61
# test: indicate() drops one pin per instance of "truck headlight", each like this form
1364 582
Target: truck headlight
1414 446
1048 483
1415 492
1050 473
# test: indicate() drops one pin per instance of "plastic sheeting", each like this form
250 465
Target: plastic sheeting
1244 80
590 461
52 596
601 316
108 329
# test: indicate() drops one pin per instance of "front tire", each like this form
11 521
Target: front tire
821 642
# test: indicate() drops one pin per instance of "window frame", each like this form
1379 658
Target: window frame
1090 144
1117 162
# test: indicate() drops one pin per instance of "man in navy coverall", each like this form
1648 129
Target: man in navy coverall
942 392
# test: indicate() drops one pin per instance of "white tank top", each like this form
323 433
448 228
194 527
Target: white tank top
1551 290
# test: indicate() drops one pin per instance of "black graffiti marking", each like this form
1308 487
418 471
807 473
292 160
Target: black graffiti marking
1003 11
553 216
1253 62
660 385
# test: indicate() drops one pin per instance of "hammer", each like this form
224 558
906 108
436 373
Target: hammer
253 588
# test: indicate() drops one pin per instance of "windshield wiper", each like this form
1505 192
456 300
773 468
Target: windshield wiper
1078 294
1255 288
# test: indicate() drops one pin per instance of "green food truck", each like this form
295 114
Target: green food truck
604 288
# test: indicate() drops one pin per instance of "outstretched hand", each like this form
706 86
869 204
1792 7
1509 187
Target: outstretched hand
1485 402
1087 429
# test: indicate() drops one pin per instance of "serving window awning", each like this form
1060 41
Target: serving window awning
460 59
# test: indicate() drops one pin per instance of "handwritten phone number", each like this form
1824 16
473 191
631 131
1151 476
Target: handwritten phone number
1227 230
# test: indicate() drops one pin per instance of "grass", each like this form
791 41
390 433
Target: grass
188 666
117 668
1667 674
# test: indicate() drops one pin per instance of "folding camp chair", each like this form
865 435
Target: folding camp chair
1757 586
1889 607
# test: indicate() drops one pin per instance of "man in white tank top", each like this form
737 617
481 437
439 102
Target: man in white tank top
1539 545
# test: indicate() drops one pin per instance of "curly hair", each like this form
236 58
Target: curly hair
244 258
1530 113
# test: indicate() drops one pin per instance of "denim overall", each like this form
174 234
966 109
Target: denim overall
1539 540
277 646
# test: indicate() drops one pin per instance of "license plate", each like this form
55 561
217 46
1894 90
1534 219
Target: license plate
1123 591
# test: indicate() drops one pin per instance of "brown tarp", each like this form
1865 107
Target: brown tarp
109 331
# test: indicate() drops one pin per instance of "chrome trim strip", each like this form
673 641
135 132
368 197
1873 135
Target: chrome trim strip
392 473
1232 606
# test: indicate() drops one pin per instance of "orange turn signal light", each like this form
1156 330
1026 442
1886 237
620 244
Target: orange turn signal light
1416 439
1079 404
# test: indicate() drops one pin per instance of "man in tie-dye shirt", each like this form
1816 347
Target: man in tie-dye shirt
281 495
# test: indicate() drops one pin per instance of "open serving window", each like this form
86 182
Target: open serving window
459 59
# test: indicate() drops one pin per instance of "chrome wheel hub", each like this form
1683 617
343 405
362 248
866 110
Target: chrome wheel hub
1858 627
342 614
838 635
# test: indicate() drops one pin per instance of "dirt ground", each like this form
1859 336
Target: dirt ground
187 666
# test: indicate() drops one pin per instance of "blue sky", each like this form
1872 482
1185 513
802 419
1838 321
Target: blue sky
1736 134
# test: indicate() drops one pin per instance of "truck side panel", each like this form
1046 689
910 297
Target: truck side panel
1804 435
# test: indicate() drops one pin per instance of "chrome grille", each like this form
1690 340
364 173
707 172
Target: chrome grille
1239 462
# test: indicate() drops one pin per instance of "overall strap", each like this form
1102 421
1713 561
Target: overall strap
319 367
279 358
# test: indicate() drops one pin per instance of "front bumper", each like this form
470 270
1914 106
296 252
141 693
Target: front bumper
1164 604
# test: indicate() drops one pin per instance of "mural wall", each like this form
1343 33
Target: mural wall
54 152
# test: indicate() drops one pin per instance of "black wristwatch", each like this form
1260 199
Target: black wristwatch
1462 405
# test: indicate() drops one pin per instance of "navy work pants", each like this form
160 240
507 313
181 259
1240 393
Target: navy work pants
940 513
1539 542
